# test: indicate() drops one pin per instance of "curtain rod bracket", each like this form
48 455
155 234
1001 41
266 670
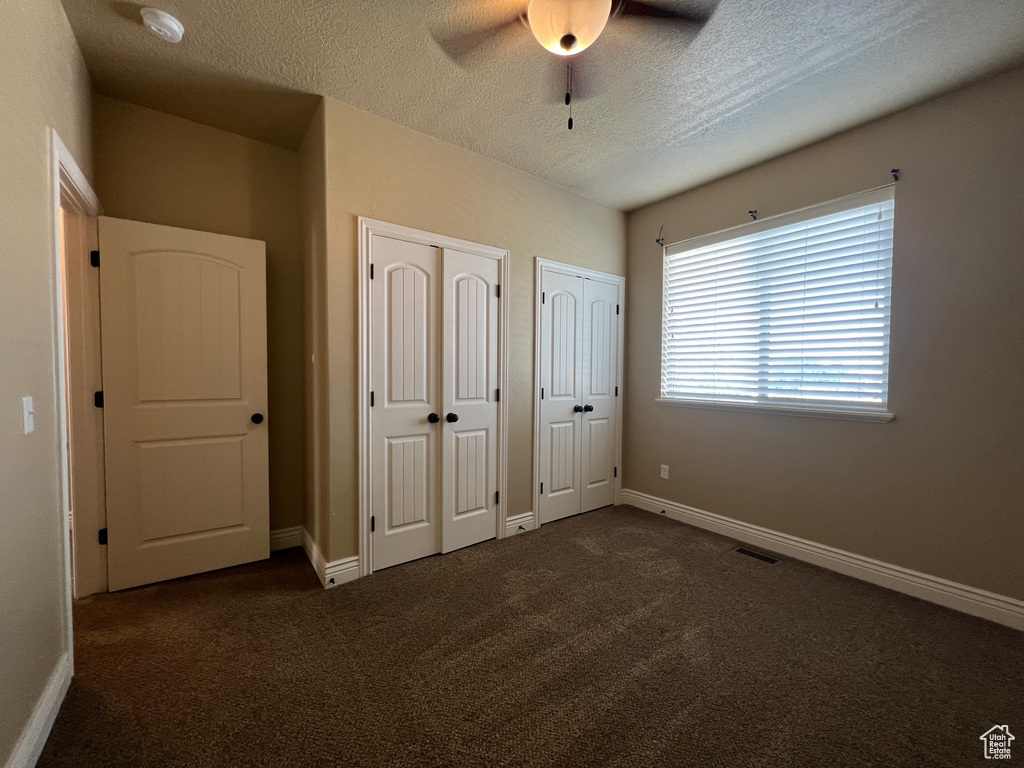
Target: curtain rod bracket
659 239
895 174
753 214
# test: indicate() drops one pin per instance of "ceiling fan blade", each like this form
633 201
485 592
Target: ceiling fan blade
461 46
637 10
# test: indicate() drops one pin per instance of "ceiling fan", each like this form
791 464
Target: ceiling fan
565 28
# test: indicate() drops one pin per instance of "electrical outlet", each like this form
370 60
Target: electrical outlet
28 414
664 471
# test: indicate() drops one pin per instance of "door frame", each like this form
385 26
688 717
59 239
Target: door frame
66 178
367 229
619 281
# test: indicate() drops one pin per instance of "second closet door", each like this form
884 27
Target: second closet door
578 362
434 415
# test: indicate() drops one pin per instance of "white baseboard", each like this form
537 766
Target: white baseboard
331 573
341 571
519 524
285 538
977 602
37 729
316 558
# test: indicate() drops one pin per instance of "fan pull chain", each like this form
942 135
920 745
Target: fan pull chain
568 91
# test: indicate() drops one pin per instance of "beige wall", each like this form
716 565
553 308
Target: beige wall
314 246
44 84
151 166
940 489
382 170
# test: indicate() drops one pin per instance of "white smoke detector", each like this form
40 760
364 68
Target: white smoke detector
163 25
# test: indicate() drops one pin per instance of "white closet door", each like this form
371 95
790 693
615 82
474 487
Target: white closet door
405 443
470 412
600 358
562 392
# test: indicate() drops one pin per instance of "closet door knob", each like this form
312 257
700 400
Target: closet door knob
577 409
452 418
433 418
588 407
256 418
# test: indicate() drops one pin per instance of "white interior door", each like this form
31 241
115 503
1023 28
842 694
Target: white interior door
185 375
561 349
470 399
405 398
600 364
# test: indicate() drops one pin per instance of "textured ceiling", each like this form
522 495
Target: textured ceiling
671 109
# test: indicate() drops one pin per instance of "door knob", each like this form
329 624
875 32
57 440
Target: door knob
588 407
577 409
256 418
433 418
452 418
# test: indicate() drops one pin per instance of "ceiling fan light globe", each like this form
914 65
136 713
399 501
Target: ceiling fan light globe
555 21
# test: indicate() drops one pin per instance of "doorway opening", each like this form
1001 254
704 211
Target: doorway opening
77 376
161 392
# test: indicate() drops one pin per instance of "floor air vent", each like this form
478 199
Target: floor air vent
757 555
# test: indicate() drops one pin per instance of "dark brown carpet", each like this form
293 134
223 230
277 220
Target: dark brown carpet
616 638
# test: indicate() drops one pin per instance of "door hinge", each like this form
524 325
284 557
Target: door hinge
103 536
371 398
542 487
497 497
373 523
497 395
371 271
616 472
616 391
97 399
616 309
542 393
543 297
498 286
94 258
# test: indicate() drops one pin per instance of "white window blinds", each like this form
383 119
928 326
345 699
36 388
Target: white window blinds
791 311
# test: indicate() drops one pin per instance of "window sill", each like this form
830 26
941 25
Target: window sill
843 414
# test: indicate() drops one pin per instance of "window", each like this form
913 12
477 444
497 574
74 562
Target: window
789 313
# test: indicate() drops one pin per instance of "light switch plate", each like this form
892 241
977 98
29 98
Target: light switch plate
664 471
28 414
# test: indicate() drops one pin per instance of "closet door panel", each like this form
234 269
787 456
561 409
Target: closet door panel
561 360
600 364
405 354
470 326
